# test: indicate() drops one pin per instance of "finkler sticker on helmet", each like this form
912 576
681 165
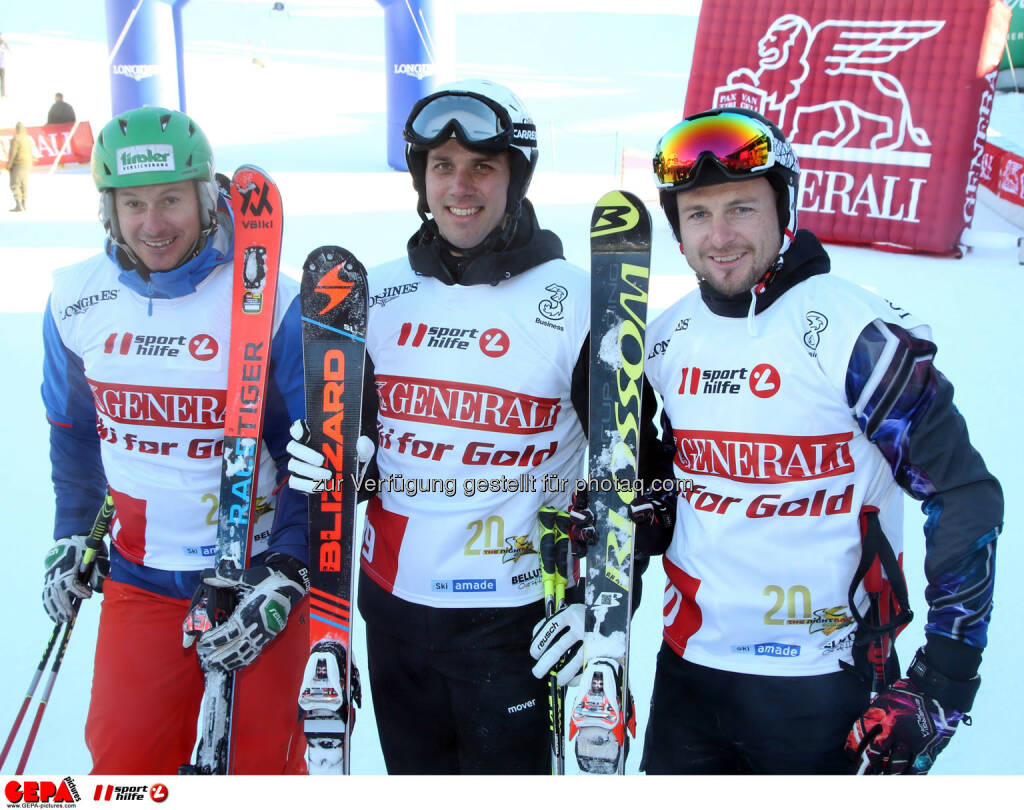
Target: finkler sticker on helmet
149 157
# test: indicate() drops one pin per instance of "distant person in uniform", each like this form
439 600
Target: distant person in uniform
61 112
19 164
4 50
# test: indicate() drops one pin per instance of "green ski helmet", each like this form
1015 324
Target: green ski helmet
148 146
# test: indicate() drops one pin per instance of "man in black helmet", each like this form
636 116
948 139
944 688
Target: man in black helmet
477 351
801 408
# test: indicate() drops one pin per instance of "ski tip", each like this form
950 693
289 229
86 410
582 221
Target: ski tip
616 212
620 197
247 174
331 255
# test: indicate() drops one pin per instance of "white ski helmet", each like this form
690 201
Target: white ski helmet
483 116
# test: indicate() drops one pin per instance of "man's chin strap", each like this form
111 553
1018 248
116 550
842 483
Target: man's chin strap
129 261
127 257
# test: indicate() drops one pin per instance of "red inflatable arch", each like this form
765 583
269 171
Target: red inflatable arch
886 103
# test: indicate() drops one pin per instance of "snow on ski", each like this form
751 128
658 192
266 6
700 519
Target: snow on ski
620 241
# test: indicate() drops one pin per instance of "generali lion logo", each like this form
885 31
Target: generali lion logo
857 109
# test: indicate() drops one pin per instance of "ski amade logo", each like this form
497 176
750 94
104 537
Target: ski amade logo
150 157
33 793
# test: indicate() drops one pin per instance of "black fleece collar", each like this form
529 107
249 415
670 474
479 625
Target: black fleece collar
805 258
531 246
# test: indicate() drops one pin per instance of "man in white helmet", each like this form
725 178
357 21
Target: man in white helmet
477 373
801 408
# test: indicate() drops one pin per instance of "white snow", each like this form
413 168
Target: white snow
314 116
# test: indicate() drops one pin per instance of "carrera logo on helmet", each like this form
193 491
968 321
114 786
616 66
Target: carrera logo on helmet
525 134
150 157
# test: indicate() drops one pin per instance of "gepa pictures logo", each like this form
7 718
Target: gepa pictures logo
34 793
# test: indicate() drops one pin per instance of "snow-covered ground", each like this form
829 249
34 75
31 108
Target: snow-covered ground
314 116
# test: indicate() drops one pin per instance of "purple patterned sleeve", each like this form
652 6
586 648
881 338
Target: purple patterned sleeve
905 407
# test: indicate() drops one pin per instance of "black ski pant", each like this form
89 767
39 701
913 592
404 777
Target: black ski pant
473 711
710 721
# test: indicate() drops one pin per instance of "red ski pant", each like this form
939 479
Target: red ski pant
146 691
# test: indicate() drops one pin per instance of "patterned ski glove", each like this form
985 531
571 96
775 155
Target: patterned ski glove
63 580
582 532
265 596
655 508
905 728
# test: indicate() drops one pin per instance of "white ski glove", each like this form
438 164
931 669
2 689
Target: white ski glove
557 645
266 595
308 467
63 579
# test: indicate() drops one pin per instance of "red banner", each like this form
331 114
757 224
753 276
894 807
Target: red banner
47 141
762 457
886 104
465 405
1002 173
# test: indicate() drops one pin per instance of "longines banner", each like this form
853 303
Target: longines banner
886 103
48 141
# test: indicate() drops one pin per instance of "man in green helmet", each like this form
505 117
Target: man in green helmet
134 383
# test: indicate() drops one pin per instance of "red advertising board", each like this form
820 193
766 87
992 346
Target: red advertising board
1002 172
47 142
886 104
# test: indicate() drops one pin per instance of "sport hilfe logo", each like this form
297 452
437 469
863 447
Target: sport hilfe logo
763 380
114 793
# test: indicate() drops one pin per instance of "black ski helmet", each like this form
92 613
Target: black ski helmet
767 154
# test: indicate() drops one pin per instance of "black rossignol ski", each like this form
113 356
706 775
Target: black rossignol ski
334 304
259 222
620 248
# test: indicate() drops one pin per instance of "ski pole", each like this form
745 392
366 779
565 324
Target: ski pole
554 566
92 545
31 691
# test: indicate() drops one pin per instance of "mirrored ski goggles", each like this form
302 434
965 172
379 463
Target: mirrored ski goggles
475 121
740 145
